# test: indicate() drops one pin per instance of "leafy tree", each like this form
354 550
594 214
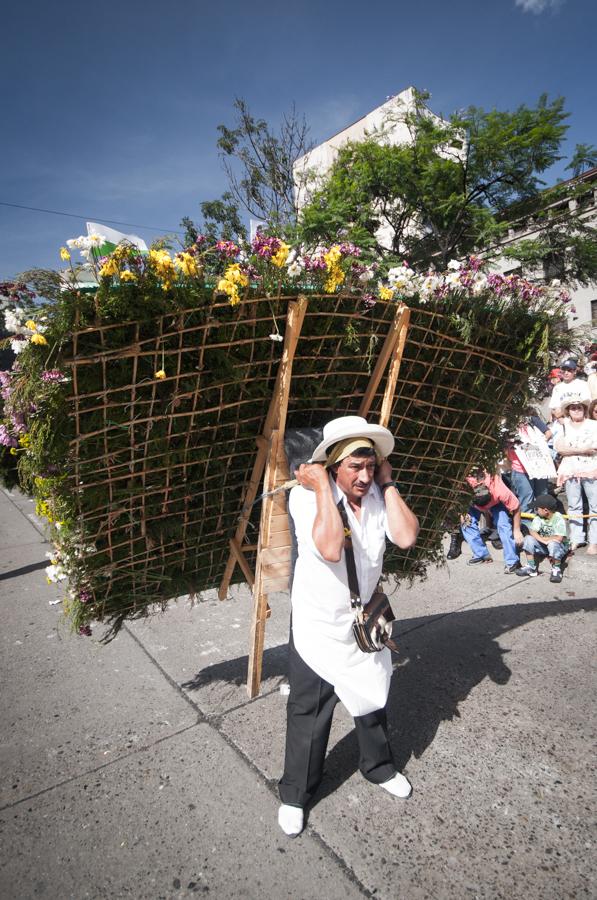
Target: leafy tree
448 191
259 166
583 158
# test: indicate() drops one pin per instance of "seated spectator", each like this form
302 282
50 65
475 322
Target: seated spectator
577 445
547 537
491 494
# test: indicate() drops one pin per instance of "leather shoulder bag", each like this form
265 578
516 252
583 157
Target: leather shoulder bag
372 626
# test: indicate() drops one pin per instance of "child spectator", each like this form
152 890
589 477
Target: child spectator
547 537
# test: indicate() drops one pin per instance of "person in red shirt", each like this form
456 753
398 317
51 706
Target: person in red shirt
490 494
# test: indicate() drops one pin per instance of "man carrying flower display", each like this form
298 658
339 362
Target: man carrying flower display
325 662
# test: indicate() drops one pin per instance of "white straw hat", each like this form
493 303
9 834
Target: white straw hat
575 399
353 427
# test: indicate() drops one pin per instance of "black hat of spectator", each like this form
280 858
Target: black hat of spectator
546 501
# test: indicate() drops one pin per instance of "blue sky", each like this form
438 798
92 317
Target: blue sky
111 112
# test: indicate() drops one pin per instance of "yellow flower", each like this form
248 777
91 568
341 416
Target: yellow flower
281 255
160 374
110 267
385 293
38 339
335 275
13 451
25 440
235 274
127 275
30 324
233 278
332 257
64 254
187 264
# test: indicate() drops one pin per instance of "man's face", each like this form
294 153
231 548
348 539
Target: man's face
568 375
355 475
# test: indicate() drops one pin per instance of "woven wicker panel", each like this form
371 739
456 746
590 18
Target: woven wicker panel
160 467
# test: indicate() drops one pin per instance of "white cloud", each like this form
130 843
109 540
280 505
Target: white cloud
538 6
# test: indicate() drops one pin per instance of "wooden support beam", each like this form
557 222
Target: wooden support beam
276 417
259 595
388 398
237 553
385 353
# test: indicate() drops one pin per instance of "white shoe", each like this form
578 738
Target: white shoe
399 786
290 819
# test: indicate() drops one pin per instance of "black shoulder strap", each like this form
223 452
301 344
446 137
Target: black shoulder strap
351 569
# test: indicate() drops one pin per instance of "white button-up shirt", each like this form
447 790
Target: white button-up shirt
321 614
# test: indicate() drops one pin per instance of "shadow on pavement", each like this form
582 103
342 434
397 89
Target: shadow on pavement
441 659
24 570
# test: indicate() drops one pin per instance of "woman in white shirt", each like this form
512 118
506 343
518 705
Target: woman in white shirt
577 445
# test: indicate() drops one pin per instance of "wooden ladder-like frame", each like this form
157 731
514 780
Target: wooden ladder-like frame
273 548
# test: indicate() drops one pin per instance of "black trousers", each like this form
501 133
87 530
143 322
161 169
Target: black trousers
311 706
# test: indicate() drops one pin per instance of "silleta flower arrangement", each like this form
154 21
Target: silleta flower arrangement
136 395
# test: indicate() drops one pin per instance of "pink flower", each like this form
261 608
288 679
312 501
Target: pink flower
52 376
228 249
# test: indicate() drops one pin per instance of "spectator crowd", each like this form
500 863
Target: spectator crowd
542 502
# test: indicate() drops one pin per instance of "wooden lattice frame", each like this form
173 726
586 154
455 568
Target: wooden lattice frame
161 470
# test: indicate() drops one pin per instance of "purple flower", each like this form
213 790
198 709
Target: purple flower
85 596
348 249
85 630
18 422
265 246
6 438
369 301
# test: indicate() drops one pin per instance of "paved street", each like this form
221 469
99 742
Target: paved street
140 769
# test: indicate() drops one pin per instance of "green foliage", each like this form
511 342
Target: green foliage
583 158
450 190
222 221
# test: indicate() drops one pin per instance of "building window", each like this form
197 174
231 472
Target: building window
594 312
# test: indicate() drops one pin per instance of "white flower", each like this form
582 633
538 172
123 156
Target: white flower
479 284
366 276
429 284
295 269
453 279
13 319
291 257
555 282
454 264
17 344
95 240
276 337
55 573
